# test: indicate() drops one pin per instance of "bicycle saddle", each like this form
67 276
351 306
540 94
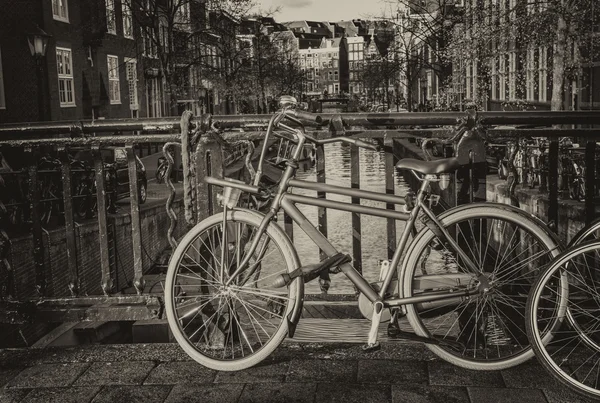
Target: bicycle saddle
440 166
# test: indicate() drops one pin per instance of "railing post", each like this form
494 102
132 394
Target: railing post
471 176
107 282
390 167
136 229
209 162
69 221
356 227
36 222
590 181
324 279
553 185
6 274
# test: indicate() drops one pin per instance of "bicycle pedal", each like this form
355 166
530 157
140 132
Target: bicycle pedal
369 348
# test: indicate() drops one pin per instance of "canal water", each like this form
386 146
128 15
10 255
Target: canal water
339 223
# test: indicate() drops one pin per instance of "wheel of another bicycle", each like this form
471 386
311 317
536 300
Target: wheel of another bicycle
570 352
485 331
235 326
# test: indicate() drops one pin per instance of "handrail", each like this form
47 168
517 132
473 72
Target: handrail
82 127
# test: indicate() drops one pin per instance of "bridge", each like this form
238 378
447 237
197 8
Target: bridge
58 266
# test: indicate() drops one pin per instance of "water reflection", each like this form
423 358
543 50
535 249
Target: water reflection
339 223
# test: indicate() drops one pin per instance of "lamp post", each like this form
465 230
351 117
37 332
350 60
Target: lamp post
38 43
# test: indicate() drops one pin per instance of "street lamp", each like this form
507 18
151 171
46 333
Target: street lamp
38 40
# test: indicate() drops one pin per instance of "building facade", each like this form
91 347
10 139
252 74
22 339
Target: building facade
91 67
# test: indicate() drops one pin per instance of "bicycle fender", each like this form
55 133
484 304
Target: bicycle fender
294 316
514 209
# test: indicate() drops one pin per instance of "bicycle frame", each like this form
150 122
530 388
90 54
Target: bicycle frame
287 201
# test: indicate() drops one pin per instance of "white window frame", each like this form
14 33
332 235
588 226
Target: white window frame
543 74
531 73
469 77
512 75
127 19
64 16
134 103
2 90
65 76
113 78
111 15
502 77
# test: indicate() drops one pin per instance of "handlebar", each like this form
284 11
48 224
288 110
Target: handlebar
295 115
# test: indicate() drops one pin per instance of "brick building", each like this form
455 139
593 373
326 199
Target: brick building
91 67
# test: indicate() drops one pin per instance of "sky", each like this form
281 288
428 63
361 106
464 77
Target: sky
323 10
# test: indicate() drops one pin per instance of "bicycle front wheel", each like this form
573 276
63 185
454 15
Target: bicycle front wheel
230 327
485 331
571 351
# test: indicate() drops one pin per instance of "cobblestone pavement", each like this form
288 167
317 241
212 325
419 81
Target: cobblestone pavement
294 373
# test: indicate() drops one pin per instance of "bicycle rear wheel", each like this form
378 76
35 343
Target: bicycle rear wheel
488 328
230 327
571 351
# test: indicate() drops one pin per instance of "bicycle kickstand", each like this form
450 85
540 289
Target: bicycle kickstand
373 342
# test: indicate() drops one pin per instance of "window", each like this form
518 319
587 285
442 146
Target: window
2 96
66 87
131 69
182 14
60 10
114 87
494 78
148 39
335 76
111 22
127 20
543 73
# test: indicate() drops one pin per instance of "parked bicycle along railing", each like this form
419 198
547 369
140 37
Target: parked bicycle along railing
92 290
234 287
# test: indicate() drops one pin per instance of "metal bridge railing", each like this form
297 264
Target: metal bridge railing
206 151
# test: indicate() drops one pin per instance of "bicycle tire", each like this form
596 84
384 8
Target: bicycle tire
499 327
555 347
236 322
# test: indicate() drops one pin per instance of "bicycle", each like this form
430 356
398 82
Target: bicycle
235 286
570 349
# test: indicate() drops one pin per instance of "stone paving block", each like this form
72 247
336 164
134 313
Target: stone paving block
133 394
446 374
277 393
48 375
322 371
392 371
565 395
205 393
353 393
429 394
116 373
180 372
63 395
8 374
268 371
505 395
12 395
530 375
